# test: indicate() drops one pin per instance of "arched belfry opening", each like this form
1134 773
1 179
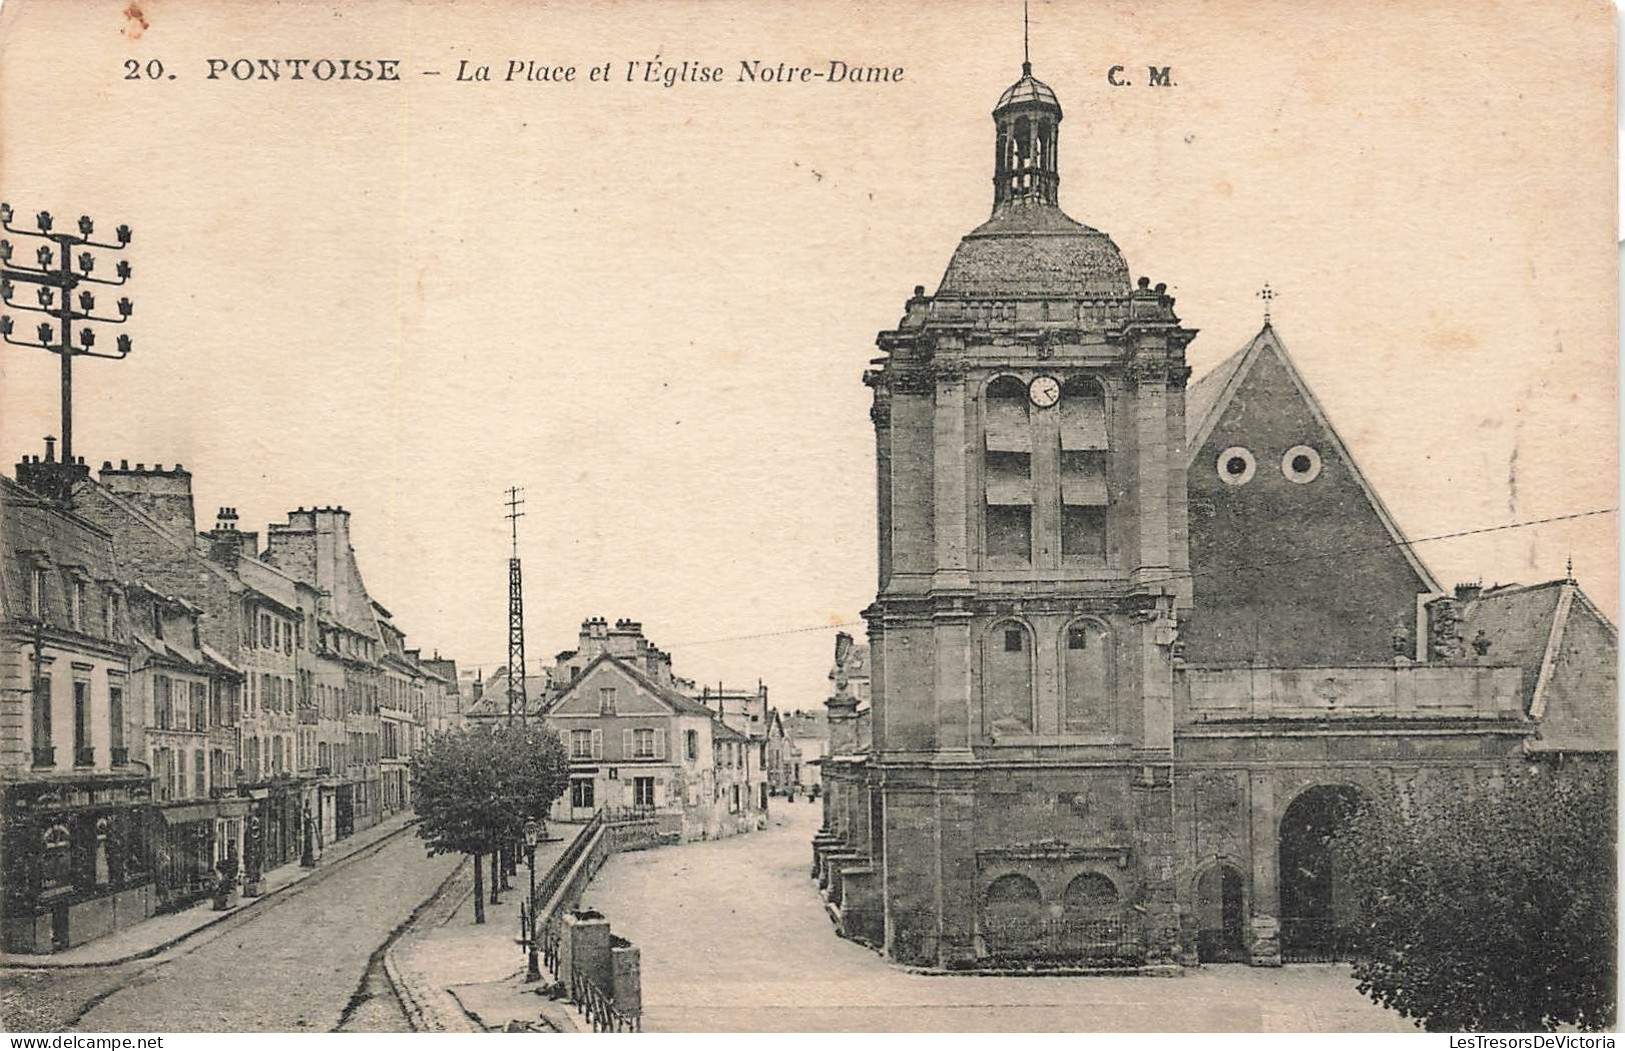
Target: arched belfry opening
1028 122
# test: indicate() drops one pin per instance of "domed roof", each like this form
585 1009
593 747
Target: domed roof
1029 248
1029 89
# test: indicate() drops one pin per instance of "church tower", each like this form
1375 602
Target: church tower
1029 437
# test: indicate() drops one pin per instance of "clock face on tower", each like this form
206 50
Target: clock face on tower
1044 391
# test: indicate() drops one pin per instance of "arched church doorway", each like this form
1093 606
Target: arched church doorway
1317 909
1221 916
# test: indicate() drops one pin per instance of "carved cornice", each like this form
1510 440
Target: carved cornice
913 381
1148 372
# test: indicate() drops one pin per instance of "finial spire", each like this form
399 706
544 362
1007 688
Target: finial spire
1026 43
1266 294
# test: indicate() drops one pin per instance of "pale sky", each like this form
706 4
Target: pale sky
651 307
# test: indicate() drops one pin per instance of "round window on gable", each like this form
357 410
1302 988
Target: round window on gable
1301 464
1236 466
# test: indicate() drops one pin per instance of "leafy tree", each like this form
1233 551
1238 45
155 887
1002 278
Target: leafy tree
474 789
1490 909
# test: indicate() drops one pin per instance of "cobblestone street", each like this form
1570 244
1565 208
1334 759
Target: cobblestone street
294 965
734 938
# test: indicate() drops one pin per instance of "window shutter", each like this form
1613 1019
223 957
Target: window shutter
598 744
1083 424
1007 485
1007 428
1083 483
626 744
660 743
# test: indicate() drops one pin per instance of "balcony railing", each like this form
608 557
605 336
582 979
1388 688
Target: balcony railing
120 756
44 755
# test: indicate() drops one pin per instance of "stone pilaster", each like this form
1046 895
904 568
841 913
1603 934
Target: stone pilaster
1154 830
1264 935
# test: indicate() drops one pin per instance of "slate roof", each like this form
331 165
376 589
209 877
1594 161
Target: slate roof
34 523
1524 625
721 731
1203 394
1029 248
494 700
677 701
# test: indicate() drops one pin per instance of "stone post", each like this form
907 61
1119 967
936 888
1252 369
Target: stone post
626 982
584 950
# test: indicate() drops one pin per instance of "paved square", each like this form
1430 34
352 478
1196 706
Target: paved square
734 938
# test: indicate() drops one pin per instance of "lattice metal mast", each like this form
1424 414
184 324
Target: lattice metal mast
516 614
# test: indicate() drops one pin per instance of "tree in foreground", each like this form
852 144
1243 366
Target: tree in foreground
473 790
1490 909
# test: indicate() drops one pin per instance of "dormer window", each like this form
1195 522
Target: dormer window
36 593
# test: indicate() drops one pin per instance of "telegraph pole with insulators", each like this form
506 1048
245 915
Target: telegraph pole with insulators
57 274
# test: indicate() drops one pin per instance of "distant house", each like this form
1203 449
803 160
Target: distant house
808 736
637 740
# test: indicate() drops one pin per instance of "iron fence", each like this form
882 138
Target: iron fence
1316 939
598 1008
621 814
1063 940
549 938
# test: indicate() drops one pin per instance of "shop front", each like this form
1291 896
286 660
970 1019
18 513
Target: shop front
74 861
183 853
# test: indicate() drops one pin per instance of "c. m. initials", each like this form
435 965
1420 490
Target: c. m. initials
1155 77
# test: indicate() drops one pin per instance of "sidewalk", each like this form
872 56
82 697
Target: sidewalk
457 977
160 933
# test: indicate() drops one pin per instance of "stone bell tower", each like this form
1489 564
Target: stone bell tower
1029 432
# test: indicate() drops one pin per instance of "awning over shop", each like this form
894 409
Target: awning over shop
186 815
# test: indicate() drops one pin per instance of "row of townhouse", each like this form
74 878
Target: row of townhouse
639 737
172 702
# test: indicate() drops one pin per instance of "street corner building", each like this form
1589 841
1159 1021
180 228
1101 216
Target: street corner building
72 804
644 744
184 713
1139 643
